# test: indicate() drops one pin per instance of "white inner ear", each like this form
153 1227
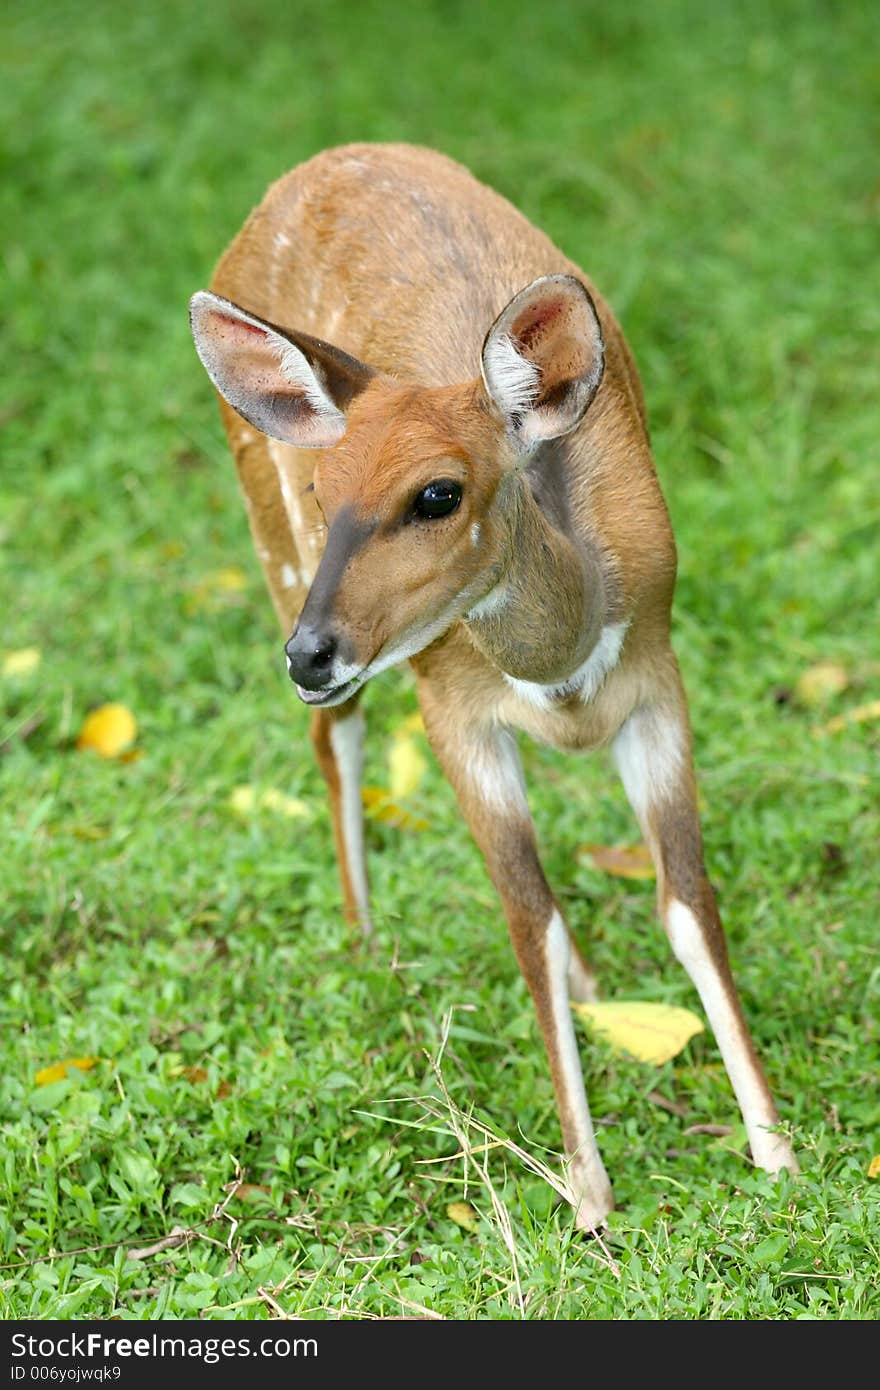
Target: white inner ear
243 372
297 369
510 379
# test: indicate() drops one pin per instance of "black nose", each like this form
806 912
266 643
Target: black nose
310 657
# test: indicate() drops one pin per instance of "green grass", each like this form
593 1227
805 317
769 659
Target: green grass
714 170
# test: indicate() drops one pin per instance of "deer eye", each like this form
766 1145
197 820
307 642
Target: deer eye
437 499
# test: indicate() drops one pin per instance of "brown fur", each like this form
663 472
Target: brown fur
399 257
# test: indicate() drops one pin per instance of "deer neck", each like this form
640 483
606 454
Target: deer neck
545 613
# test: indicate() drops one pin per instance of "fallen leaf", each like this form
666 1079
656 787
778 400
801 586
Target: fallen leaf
862 714
874 1167
243 800
819 683
58 1070
21 662
216 589
290 806
108 730
673 1106
406 766
651 1032
623 861
230 580
463 1214
194 1074
379 806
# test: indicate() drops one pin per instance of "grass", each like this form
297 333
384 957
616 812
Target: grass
714 170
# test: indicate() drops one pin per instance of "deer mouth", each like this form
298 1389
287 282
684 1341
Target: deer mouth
333 695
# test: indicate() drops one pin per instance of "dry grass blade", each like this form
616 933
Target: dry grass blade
274 1306
178 1236
459 1123
717 1131
432 1109
674 1107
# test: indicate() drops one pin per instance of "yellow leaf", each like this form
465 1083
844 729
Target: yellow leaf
650 1032
91 832
624 861
131 755
21 662
216 589
289 806
379 806
109 730
463 1214
406 766
860 715
58 1070
874 1167
230 580
818 683
243 800
414 723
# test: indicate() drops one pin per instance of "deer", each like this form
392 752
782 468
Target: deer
442 443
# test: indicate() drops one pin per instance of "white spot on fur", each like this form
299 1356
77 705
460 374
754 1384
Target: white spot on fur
650 755
586 681
494 766
296 368
282 241
330 325
591 1189
770 1151
282 456
476 533
493 601
347 742
289 577
510 379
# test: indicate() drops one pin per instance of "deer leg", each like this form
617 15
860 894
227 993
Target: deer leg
653 756
483 768
337 737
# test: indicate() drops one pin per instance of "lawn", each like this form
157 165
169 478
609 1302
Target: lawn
714 170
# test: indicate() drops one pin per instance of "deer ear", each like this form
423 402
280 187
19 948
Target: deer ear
289 385
543 359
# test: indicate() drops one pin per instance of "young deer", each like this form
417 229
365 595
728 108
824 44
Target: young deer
503 532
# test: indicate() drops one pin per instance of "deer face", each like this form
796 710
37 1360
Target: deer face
413 539
413 482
